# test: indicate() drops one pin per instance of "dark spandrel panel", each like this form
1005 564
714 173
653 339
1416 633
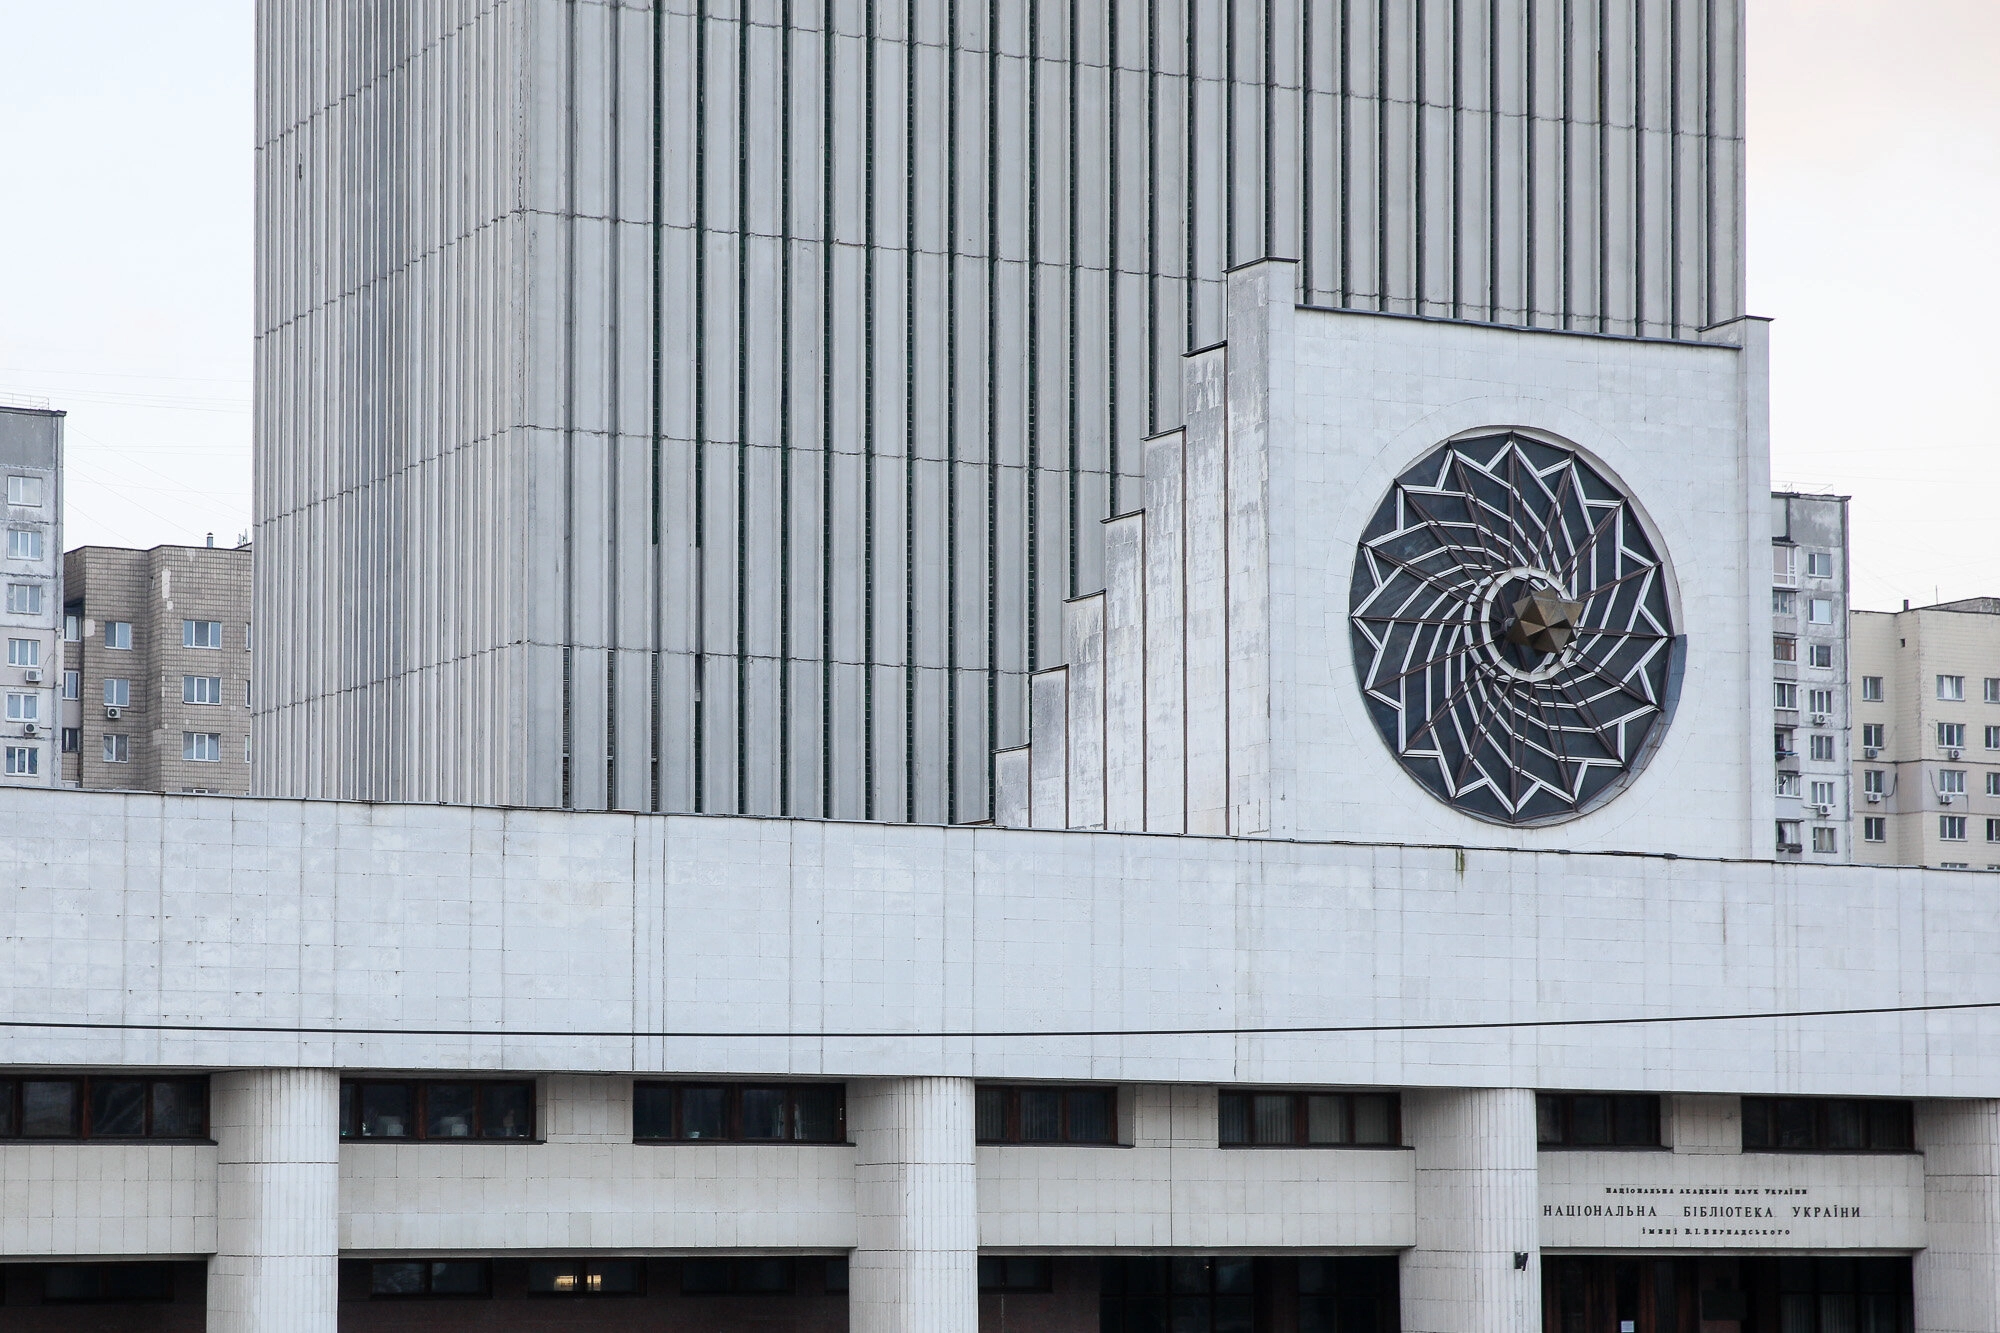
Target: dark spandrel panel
763 1113
652 1111
398 1279
180 1108
704 1113
117 1108
451 1110
458 1277
388 1110
816 1114
49 1108
507 1110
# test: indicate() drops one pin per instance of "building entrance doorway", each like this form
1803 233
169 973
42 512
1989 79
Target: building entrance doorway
1618 1294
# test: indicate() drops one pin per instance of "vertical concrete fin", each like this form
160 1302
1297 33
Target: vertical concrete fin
1957 1275
277 1176
916 1243
1477 1208
1125 673
1010 787
1083 646
1048 747
1166 634
1207 616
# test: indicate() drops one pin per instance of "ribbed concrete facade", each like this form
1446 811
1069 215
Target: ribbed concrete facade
277 1135
916 1214
1476 1267
710 406
1958 1276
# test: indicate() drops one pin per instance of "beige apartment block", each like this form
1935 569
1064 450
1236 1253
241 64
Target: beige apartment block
156 680
1927 719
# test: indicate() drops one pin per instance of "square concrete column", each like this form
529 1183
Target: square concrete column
1478 1207
1958 1273
916 1255
277 1134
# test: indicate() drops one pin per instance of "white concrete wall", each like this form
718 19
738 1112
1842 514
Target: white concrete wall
106 1199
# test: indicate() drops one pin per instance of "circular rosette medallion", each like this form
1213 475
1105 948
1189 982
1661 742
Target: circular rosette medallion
1512 630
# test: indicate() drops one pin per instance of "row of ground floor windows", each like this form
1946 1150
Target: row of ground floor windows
1122 1294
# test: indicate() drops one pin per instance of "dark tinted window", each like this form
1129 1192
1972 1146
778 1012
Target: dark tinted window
436 1110
1308 1119
98 1106
736 1277
597 1277
1045 1115
429 1277
66 1284
739 1113
1826 1124
1597 1120
1014 1273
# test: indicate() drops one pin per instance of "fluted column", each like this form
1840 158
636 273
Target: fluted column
1477 1207
1958 1273
916 1255
277 1134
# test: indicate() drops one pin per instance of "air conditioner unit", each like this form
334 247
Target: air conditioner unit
29 729
1870 752
1946 797
1874 798
34 675
1822 810
1951 754
114 713
1819 719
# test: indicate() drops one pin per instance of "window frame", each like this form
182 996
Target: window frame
72 685
23 654
1951 828
1301 1099
1871 689
1819 564
24 706
431 1266
1874 828
123 691
1815 605
1950 689
736 1265
123 747
1822 748
1879 731
1787 693
162 1270
81 1130
20 486
733 1111
192 745
1825 840
1946 731
24 599
1560 1107
1784 647
121 642
1760 1114
26 537
194 631
350 1113
1011 1119
192 688
22 761
1016 1273
582 1270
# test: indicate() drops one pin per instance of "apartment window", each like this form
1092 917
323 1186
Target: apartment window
1784 648
739 1113
595 1277
117 748
24 652
1822 793
1784 602
26 491
73 626
1951 735
1992 694
246 636
1993 738
1819 655
1784 565
1993 830
1871 689
23 761
1788 835
1788 784
1875 828
1872 782
72 684
1954 865
1873 734
1951 828
72 739
1784 740
201 747
246 749
1819 564
1046 1115
24 599
1951 689
1014 1273
24 707
117 692
1819 610
1993 784
1819 702
1309 1119
1826 1124
1822 748
95 1107
24 544
1596 1120
737 1277
400 1278
201 634
436 1109
118 634
1824 840
201 689
1951 782
107 1284
1787 695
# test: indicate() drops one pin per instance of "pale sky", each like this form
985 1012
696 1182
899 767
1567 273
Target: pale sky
125 265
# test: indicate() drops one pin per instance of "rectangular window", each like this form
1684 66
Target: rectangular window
1819 564
1788 784
1211 1295
1784 566
1787 695
25 491
1784 648
24 652
1951 735
1875 828
1819 702
737 1277
201 634
1788 836
1993 830
201 689
107 1284
1951 781
1873 780
1826 1124
72 684
1993 738
1597 1120
398 1278
1046 1115
118 634
1014 1273
1819 655
24 544
1951 828
1951 689
1819 610
1993 689
72 739
1784 603
1993 784
201 747
1309 1119
1873 735
103 1107
1871 689
117 692
73 626
1822 748
24 707
1822 793
117 748
23 761
436 1109
1785 742
24 599
1824 841
739 1113
591 1277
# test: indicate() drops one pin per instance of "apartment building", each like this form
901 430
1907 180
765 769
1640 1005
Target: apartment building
1927 704
1809 656
31 443
156 668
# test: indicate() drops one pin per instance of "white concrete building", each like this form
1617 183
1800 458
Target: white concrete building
1381 933
31 614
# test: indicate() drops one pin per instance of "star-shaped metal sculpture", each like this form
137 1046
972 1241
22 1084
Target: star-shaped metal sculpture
1545 621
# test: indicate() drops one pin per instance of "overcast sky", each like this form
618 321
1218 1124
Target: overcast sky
125 265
